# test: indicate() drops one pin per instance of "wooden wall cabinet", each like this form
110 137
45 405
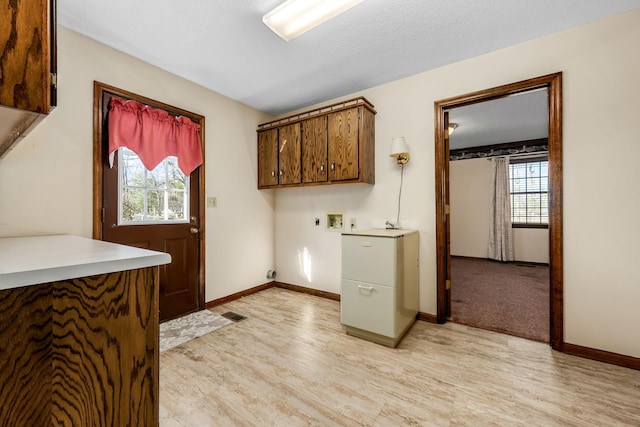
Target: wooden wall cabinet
28 64
279 156
268 158
329 145
314 150
289 154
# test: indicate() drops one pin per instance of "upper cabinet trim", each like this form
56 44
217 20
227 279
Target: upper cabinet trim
350 103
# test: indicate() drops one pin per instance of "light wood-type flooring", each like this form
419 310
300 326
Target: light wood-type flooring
291 364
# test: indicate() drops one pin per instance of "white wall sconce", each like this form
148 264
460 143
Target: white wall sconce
400 150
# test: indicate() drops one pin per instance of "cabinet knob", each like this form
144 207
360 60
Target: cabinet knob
322 167
273 174
281 172
333 166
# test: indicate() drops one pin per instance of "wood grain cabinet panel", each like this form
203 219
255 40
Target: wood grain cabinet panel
343 149
26 54
289 154
25 356
81 352
105 350
330 145
268 158
314 150
27 66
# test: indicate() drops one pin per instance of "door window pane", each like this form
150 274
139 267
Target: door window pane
151 197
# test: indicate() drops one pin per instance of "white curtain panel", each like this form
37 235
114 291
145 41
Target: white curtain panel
500 233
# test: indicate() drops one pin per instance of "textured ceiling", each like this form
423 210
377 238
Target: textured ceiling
520 117
224 46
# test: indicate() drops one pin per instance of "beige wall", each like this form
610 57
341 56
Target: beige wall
469 182
600 88
46 181
469 186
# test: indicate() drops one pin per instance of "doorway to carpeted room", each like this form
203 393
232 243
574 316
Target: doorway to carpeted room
512 298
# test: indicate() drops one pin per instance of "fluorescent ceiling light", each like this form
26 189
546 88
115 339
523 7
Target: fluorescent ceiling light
294 17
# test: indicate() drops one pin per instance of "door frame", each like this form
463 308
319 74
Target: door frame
99 157
553 84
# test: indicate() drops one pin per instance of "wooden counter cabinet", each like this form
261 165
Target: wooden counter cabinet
78 333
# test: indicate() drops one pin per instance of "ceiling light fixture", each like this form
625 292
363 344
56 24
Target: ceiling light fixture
294 17
452 128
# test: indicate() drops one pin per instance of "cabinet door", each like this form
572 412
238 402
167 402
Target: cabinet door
368 306
25 54
289 153
370 259
314 149
343 144
268 158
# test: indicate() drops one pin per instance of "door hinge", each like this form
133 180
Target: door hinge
54 80
103 213
447 284
447 209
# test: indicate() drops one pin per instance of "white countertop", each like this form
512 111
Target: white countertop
28 261
381 232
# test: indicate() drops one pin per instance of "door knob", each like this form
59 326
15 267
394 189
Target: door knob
194 230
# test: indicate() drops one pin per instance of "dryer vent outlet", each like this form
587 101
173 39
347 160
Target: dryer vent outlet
271 274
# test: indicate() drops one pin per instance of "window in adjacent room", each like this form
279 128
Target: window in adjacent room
529 186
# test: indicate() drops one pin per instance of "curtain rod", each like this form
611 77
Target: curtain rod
522 155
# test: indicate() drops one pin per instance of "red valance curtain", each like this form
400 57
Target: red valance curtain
153 134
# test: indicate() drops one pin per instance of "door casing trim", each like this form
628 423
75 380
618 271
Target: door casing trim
553 84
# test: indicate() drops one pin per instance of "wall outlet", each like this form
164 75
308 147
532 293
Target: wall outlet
211 202
334 221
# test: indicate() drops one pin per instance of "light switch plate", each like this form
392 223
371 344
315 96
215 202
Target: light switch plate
211 202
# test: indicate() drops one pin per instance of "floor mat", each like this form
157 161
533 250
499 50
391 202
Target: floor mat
194 325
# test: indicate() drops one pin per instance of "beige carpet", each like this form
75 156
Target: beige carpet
511 298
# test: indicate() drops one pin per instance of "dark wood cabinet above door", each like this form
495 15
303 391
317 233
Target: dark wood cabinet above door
330 145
